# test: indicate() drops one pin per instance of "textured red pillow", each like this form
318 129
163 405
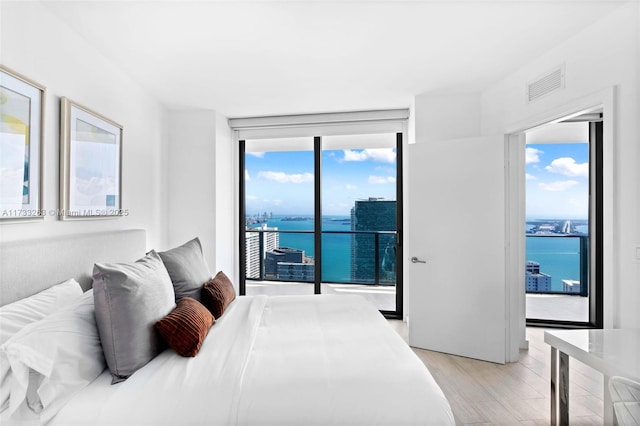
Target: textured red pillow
217 293
185 328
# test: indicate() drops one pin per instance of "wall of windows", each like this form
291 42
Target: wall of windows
322 213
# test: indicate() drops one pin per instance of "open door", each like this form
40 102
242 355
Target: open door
456 200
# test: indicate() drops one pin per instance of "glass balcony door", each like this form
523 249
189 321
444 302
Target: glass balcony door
563 259
279 216
360 217
323 215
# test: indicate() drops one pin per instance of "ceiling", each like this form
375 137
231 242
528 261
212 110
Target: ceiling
267 58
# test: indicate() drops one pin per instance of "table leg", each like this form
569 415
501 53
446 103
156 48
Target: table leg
563 388
559 388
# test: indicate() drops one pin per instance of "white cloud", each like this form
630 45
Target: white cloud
560 185
380 155
350 187
256 154
282 177
381 179
567 166
251 197
532 155
246 175
529 176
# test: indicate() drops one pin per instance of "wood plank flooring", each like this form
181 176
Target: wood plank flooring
516 393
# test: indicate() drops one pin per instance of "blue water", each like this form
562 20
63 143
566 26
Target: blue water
336 248
558 257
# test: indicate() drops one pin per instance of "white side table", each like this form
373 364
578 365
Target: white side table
613 352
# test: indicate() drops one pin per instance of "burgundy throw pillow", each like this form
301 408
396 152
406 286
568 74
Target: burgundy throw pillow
217 293
185 328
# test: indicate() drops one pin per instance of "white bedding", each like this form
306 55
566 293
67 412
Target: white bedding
297 360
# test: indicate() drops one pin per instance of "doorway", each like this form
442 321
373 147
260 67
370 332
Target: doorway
323 215
563 223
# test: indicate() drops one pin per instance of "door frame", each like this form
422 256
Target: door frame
394 125
603 100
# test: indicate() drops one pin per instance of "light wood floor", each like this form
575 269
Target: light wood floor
515 393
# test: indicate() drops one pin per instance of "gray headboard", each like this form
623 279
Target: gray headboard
29 266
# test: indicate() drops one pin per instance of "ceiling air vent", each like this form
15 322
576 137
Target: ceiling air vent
548 83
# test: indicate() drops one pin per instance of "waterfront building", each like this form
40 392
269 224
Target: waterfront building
288 264
536 281
373 214
571 286
296 271
253 253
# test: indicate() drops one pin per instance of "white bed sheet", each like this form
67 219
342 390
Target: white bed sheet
297 360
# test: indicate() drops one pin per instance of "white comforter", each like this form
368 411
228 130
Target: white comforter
294 360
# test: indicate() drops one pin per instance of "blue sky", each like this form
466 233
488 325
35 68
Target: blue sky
282 182
557 184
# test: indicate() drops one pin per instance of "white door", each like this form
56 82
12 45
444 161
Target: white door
457 299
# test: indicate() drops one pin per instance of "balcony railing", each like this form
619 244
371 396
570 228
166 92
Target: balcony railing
349 257
565 258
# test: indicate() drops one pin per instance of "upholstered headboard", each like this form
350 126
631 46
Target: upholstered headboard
29 266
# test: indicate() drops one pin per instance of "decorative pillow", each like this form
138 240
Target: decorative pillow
185 328
15 316
187 269
129 299
54 358
217 293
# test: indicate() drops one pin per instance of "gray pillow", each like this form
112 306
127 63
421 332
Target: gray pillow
187 269
129 299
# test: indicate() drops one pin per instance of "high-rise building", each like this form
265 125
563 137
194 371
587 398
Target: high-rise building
373 214
253 254
288 264
536 281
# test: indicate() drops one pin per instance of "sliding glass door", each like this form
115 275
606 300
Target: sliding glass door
323 215
279 216
360 217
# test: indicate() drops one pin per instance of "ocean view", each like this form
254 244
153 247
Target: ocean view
557 256
336 248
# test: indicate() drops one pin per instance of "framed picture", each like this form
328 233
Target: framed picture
90 164
21 130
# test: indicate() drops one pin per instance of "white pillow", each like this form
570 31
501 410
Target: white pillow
15 316
54 358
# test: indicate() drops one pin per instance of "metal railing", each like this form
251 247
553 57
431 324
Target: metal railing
380 266
583 259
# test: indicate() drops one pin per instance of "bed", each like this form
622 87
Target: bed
298 360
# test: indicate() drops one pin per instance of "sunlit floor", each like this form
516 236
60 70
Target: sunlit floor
558 307
515 393
384 297
539 306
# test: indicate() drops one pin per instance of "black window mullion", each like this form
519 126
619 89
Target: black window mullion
242 256
399 222
596 297
317 238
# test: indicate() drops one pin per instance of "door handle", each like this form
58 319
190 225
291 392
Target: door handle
416 260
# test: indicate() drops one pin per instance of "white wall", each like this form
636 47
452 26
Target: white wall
38 45
200 185
602 56
226 203
441 116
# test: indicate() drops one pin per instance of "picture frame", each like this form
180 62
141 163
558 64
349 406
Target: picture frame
22 103
90 164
